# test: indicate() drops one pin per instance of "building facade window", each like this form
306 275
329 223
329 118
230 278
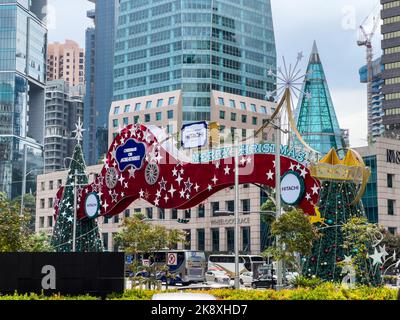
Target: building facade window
201 211
230 206
391 207
174 214
188 213
230 239
246 239
158 116
188 239
170 114
222 114
246 206
148 104
200 239
105 241
50 221
392 230
214 208
127 213
149 213
147 118
390 179
171 101
161 213
41 222
233 116
215 240
160 103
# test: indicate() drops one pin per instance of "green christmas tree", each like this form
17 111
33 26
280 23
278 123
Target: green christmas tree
330 259
87 230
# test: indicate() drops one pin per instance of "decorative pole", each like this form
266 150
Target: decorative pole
75 215
78 136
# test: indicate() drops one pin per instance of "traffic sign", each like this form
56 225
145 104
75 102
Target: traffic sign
146 262
172 259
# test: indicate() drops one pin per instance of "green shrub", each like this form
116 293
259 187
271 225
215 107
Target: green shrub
304 282
325 291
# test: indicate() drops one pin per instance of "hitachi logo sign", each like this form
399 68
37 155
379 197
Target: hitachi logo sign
393 156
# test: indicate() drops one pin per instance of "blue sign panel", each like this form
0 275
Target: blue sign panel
130 154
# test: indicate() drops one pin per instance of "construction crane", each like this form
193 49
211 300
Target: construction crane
365 40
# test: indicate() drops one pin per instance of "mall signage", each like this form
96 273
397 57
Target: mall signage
97 274
393 156
292 188
194 135
92 205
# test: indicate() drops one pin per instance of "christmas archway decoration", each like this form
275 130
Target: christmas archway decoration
144 163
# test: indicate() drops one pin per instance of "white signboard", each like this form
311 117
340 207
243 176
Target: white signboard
194 135
172 259
292 188
92 205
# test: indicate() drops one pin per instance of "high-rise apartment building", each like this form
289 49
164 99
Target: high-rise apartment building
23 42
64 108
99 77
375 110
195 46
391 60
66 61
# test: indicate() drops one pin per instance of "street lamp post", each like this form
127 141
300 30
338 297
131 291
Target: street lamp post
279 266
237 276
236 214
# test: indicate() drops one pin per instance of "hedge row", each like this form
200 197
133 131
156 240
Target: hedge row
327 291
322 292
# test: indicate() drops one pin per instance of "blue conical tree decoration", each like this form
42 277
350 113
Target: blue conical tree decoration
315 115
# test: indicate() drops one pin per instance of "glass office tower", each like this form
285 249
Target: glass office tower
99 78
23 42
195 46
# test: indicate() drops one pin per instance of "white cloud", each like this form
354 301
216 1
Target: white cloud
352 114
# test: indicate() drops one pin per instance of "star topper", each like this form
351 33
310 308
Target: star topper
79 131
288 78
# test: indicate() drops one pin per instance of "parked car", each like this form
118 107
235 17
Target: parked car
172 279
246 278
217 277
264 281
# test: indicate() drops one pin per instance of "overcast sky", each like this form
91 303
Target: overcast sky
333 24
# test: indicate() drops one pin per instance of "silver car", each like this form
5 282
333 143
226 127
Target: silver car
217 277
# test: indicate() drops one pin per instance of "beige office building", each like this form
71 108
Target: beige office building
206 230
66 61
382 196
